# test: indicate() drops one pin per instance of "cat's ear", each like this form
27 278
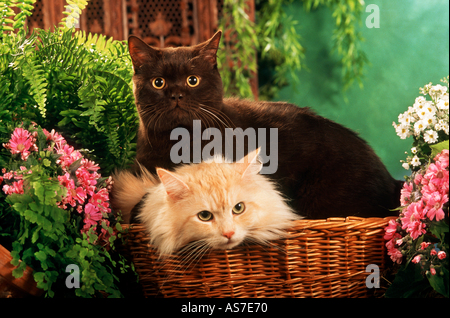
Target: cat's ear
176 189
252 165
140 52
208 49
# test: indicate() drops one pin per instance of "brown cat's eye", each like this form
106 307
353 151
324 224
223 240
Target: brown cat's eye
193 81
205 216
158 83
239 208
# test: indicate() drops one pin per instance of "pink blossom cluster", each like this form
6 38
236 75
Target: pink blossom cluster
22 142
82 195
424 199
15 186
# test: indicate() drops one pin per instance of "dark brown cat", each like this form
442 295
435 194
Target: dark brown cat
324 168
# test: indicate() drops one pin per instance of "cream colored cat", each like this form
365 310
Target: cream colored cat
217 205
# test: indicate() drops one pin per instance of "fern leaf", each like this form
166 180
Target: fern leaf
73 11
35 76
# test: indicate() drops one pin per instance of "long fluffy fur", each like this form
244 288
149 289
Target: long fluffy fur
215 187
128 190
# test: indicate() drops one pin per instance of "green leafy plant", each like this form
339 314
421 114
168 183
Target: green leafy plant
58 214
274 42
77 83
80 85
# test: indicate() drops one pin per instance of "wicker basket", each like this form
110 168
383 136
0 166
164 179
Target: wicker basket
319 258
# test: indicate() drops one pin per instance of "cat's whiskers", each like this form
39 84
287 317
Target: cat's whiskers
184 259
217 116
147 115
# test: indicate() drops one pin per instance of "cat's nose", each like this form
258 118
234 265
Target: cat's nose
228 235
177 96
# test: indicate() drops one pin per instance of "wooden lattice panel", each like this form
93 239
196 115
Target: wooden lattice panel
162 23
93 17
36 20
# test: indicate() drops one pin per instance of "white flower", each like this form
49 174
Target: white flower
430 109
419 127
437 90
430 136
420 100
405 165
418 106
414 150
442 102
402 131
424 90
429 121
426 109
415 161
404 119
445 127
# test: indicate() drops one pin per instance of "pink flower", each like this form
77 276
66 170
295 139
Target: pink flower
92 215
443 158
89 165
424 245
100 199
437 174
416 229
441 255
416 259
432 271
405 197
395 255
433 252
73 195
16 187
390 230
21 142
414 212
68 155
435 203
8 175
418 179
54 136
87 180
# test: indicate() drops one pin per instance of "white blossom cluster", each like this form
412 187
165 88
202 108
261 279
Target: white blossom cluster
426 120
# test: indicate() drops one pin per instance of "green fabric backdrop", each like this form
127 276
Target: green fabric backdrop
410 49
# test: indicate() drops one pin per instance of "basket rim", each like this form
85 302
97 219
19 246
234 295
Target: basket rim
332 224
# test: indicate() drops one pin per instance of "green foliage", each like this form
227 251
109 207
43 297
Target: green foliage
73 12
18 20
80 85
236 65
47 237
278 45
76 83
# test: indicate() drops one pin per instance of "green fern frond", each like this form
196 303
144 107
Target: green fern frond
25 6
6 16
33 72
72 13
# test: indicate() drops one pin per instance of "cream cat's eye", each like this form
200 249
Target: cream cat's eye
158 83
205 216
193 81
239 208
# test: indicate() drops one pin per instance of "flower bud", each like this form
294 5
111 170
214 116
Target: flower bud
416 259
441 255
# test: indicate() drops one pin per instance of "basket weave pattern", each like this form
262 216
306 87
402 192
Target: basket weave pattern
319 258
